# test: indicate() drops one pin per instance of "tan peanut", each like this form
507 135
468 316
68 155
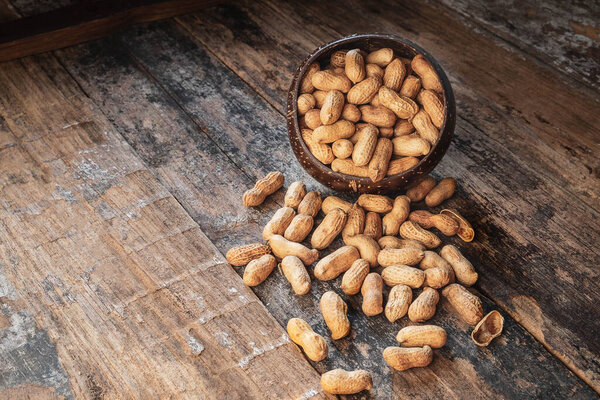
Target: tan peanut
466 304
488 328
386 132
321 151
401 165
375 101
463 269
411 87
338 381
372 295
282 247
445 224
312 119
434 107
332 107
332 202
331 266
380 160
353 278
392 242
403 127
374 70
397 215
436 277
295 272
403 358
403 107
306 102
363 92
320 96
376 203
329 80
306 85
394 74
314 345
338 58
365 146
342 148
351 113
355 223
373 226
425 70
410 145
279 222
294 194
410 230
262 188
367 247
355 66
299 228
381 57
418 192
242 255
405 256
347 166
341 129
442 191
259 269
422 335
328 229
403 275
425 127
399 300
310 204
423 308
378 116
433 260
334 311
465 230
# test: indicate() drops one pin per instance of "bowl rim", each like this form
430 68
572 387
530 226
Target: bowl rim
293 94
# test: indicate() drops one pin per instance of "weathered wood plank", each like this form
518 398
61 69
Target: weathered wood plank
127 83
138 301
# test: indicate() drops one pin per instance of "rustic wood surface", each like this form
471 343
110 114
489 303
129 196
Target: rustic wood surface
172 118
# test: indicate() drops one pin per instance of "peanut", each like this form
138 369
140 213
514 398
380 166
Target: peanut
422 335
434 260
392 242
403 358
465 230
401 165
365 145
338 381
467 305
347 166
375 101
329 80
331 266
381 57
341 129
376 203
433 106
378 116
410 230
399 299
374 70
334 311
363 92
355 66
321 151
488 328
320 96
353 278
394 74
398 214
306 85
332 202
294 194
310 204
314 345
338 58
279 222
463 269
306 102
445 224
403 107
425 127
386 132
442 191
342 148
299 228
373 226
405 256
355 223
410 145
332 107
403 127
367 247
328 229
372 294
423 308
312 119
411 87
262 188
282 247
259 269
403 275
418 192
437 277
242 255
295 272
425 70
351 113
381 158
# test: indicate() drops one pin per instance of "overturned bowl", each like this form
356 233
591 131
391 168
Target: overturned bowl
349 183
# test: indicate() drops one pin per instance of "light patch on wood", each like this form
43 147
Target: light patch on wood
529 314
283 340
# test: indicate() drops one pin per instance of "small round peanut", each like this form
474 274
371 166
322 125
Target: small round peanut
342 148
351 113
294 194
403 127
338 58
312 119
306 102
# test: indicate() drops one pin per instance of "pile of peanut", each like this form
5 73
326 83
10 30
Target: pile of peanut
377 231
359 114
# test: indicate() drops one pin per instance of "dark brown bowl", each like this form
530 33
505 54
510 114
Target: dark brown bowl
348 183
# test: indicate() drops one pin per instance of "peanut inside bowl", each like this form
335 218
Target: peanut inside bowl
370 107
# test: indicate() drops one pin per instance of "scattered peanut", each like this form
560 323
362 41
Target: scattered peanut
442 191
242 255
367 247
419 191
410 230
295 272
434 260
334 311
355 223
488 328
314 345
467 305
294 194
310 204
422 335
437 277
299 228
403 358
423 308
328 229
262 188
331 266
403 275
465 230
463 269
353 278
338 381
392 242
399 300
406 256
332 202
398 214
444 223
282 247
376 203
372 293
373 226
279 222
259 269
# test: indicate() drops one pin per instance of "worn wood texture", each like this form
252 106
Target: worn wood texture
138 301
205 132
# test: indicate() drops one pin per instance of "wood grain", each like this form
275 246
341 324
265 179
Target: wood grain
138 301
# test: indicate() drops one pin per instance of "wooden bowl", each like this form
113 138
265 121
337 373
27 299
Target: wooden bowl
348 183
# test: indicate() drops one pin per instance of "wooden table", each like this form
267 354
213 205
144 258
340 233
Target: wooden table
123 162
